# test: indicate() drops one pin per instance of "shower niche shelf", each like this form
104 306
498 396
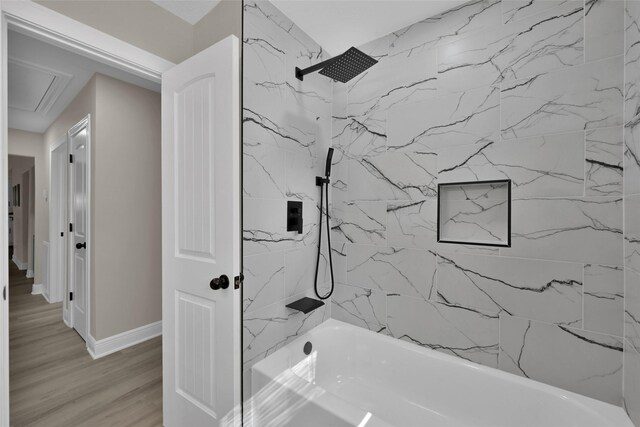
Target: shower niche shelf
475 213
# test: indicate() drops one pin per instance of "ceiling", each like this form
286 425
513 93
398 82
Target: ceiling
43 80
188 10
336 25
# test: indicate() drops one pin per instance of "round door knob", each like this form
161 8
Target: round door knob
221 282
81 245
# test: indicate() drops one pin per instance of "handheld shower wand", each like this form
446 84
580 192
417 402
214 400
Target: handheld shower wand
323 183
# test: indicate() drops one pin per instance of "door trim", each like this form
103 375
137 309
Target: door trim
85 123
45 24
57 291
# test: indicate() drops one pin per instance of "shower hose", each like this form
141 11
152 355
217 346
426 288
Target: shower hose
325 185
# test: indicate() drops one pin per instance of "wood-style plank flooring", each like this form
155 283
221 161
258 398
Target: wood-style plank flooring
54 382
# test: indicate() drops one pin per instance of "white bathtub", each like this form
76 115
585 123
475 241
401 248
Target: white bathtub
354 377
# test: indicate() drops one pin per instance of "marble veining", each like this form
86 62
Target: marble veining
287 129
632 232
540 43
538 166
604 167
392 270
565 228
469 334
544 93
580 361
362 307
541 290
584 97
604 299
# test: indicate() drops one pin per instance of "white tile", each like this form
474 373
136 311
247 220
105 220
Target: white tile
632 307
301 169
471 335
361 307
585 230
541 290
281 128
632 157
263 280
300 270
263 170
270 328
446 27
603 169
582 97
604 299
604 29
632 232
549 40
412 224
632 383
392 270
576 360
361 222
265 226
393 176
383 86
538 166
514 10
471 117
632 60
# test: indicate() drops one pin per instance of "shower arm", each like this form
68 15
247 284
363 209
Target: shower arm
301 73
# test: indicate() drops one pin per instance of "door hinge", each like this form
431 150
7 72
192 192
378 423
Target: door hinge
237 281
70 227
4 293
70 296
70 158
62 234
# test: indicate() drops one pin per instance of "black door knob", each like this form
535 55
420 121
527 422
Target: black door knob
81 245
221 282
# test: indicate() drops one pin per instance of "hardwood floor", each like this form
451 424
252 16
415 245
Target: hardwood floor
54 381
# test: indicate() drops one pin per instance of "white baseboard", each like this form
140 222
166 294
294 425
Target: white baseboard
20 264
36 289
29 273
65 318
46 297
103 347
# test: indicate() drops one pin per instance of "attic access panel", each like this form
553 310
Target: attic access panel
475 213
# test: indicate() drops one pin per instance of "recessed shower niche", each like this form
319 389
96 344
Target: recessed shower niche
475 213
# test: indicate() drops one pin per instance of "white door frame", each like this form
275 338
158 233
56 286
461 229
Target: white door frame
85 123
45 24
57 263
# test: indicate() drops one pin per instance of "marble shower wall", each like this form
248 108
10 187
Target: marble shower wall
632 211
287 131
527 90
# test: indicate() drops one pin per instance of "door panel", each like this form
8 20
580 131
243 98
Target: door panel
78 145
201 237
195 227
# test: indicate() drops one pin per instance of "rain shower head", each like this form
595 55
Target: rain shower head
341 68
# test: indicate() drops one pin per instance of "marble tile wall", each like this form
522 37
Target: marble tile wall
631 196
532 91
286 134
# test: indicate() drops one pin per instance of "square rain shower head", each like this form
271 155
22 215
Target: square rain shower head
348 65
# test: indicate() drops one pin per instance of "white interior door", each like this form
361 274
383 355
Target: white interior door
201 237
78 138
58 225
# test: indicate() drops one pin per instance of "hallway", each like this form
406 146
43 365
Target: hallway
54 381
